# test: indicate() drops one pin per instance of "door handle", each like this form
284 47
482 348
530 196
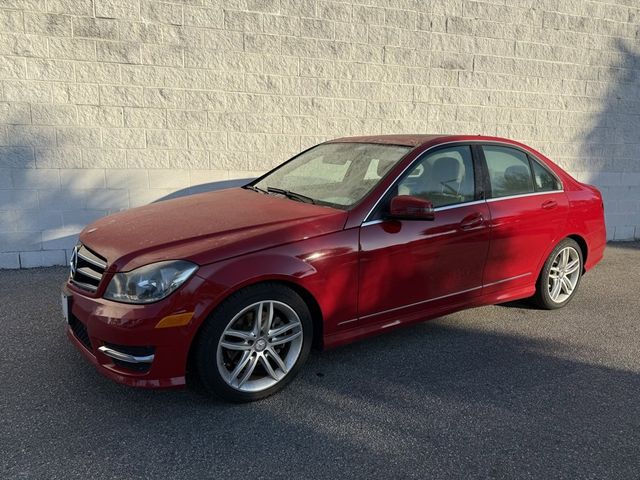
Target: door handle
549 204
471 221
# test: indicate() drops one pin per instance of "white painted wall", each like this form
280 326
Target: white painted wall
110 104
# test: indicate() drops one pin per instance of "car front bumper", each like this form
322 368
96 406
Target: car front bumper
123 342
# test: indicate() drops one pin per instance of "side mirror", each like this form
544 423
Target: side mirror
408 207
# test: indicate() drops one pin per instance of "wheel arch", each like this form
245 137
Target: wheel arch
582 243
317 317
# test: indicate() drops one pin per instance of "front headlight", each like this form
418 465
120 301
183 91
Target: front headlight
149 283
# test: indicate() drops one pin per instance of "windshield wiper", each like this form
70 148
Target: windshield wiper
255 189
292 195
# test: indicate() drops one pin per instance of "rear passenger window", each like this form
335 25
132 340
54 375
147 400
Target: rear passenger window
545 182
509 171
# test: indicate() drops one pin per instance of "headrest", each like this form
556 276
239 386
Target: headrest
518 173
446 168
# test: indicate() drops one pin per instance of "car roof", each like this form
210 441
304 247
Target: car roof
409 140
414 140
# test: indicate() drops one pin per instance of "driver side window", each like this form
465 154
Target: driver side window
444 177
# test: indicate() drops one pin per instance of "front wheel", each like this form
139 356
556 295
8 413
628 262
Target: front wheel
254 343
560 276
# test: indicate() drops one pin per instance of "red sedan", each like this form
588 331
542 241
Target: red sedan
348 239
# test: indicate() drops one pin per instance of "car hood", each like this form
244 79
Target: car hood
206 227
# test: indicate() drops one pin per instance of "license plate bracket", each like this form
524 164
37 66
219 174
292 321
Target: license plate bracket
66 306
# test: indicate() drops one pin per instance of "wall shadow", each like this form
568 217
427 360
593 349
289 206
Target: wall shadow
205 187
611 147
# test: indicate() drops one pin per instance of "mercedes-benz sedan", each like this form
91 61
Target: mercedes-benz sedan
350 238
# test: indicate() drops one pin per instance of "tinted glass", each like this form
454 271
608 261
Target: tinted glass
509 171
336 174
444 177
545 182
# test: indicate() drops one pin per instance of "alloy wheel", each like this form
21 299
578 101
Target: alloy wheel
564 274
259 346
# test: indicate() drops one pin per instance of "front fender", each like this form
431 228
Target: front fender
326 267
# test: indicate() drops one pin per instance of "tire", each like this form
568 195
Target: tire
236 357
547 296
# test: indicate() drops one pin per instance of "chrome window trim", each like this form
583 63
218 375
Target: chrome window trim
532 157
458 205
548 170
521 195
464 142
437 209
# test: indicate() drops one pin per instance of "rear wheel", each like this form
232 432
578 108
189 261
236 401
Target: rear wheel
560 276
254 343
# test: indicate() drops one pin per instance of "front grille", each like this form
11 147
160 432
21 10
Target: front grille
80 331
87 268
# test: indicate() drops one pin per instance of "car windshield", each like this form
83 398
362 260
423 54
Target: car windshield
334 174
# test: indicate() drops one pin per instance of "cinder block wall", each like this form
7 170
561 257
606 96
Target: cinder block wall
110 104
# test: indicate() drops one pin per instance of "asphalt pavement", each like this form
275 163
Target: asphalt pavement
493 392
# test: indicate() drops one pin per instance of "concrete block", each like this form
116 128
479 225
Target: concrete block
145 117
72 48
9 260
37 220
71 7
11 21
197 16
72 218
168 178
147 159
187 119
100 116
43 258
66 157
624 232
123 138
141 32
46 114
104 158
45 24
161 12
20 241
75 178
30 178
127 178
243 21
112 199
163 55
175 139
63 238
26 91
19 199
196 159
145 197
95 28
16 157
207 140
15 113
120 9
118 52
78 136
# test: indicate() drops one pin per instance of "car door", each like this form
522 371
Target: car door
409 267
527 209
